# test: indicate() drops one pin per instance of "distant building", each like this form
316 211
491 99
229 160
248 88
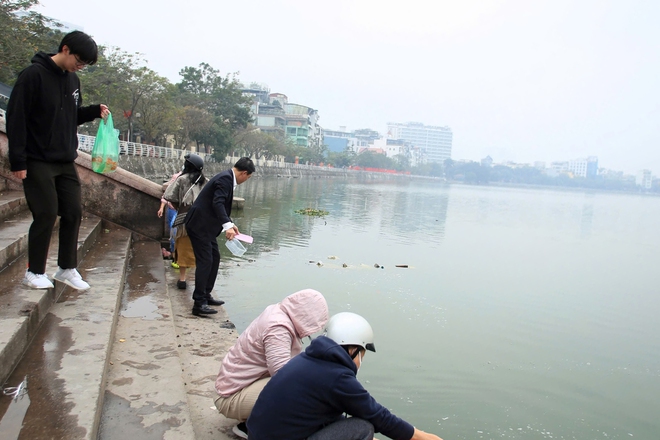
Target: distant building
339 140
487 162
644 179
435 142
273 114
587 168
539 164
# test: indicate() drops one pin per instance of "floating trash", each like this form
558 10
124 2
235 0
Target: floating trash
312 212
16 392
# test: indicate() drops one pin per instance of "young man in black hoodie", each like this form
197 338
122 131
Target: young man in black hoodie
43 114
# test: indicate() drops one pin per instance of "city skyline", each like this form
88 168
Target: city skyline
520 81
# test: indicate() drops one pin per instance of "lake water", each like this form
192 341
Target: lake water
523 313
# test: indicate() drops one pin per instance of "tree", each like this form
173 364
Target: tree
371 159
342 159
24 33
159 115
122 80
220 96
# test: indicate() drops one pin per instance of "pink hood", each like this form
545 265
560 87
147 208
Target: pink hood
271 340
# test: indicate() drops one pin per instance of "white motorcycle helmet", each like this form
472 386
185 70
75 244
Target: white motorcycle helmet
348 328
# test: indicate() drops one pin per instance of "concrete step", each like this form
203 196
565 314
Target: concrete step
145 395
202 344
66 362
11 203
23 309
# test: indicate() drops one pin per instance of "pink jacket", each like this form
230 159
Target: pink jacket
271 340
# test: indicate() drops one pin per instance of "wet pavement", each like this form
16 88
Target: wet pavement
65 363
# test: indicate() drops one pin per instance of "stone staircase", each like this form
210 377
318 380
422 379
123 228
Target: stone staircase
124 360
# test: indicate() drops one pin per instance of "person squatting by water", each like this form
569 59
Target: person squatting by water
266 345
182 193
43 114
208 217
308 397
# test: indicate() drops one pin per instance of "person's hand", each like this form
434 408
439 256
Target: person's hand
160 212
105 111
22 174
421 435
231 233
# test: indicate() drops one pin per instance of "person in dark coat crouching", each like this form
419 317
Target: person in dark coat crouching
308 397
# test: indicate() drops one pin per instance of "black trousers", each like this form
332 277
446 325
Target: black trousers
52 189
207 261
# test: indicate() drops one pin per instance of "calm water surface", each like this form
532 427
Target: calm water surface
523 314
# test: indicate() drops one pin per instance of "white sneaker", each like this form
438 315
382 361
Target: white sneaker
37 280
240 430
70 277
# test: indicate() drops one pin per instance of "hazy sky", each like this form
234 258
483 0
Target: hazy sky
514 79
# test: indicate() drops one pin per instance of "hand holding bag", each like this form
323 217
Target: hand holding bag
105 153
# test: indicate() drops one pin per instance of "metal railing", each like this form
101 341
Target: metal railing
86 143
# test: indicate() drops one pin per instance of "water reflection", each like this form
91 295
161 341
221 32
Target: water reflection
12 420
523 313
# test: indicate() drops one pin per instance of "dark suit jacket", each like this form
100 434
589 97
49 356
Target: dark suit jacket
212 207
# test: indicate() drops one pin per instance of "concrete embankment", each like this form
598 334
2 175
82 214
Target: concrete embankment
160 170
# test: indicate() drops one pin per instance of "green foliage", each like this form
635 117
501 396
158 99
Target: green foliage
219 96
343 159
24 33
371 159
312 212
124 83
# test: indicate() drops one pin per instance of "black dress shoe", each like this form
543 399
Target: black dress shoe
203 310
181 284
215 302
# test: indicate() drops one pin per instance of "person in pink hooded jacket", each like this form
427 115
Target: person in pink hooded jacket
265 346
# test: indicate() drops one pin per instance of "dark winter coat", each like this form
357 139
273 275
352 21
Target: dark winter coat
313 390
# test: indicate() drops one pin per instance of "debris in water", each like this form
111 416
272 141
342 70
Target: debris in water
344 265
312 212
332 257
319 263
405 266
376 265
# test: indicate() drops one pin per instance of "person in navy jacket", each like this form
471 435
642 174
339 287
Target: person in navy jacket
208 217
308 397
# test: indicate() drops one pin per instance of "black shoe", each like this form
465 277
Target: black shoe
181 284
203 310
214 302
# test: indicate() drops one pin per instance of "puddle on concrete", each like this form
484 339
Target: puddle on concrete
144 307
12 421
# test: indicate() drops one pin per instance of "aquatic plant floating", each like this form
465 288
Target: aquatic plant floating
312 212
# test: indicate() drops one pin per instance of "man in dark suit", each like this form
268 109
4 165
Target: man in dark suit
207 219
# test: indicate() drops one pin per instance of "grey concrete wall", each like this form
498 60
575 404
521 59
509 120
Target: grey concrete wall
121 197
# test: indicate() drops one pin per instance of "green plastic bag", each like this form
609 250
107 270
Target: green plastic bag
105 153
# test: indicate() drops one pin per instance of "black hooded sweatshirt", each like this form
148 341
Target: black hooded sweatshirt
43 114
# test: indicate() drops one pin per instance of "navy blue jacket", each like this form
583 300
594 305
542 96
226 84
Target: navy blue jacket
43 114
313 390
212 207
